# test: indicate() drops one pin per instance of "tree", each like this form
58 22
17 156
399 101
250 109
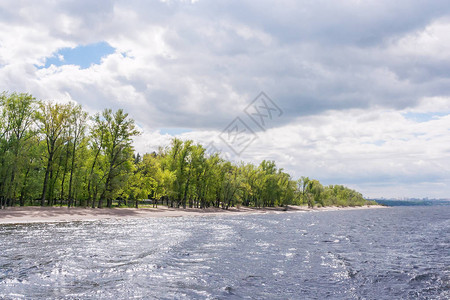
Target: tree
52 121
178 160
48 151
313 192
30 181
302 184
163 179
138 186
77 124
17 117
119 130
286 189
96 143
231 185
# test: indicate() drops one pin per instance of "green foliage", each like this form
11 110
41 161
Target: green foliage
118 153
55 154
338 195
16 129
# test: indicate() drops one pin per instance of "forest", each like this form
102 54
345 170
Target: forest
54 154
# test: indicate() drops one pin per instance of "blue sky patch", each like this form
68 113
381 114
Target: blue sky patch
83 56
424 117
174 131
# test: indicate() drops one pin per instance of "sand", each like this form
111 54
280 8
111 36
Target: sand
22 215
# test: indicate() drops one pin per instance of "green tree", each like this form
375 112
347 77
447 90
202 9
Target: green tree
117 150
231 185
77 125
286 189
313 192
52 121
96 142
178 160
47 151
17 114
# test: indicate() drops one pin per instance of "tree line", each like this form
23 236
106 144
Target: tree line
56 154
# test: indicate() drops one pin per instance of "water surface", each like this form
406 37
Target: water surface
394 253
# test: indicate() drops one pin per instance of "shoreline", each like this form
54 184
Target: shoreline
27 215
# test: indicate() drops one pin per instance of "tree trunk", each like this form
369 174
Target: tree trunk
10 186
47 173
64 175
90 197
71 172
103 195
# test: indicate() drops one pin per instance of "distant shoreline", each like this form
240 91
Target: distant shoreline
25 215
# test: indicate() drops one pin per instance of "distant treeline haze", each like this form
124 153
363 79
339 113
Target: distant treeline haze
56 154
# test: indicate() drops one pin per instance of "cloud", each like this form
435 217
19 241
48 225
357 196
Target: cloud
363 85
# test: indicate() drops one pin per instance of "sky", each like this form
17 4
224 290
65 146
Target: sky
347 92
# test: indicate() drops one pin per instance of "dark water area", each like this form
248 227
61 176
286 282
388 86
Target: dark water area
392 253
412 202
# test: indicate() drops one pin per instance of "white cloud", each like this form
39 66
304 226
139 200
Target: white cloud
378 152
431 42
348 75
432 104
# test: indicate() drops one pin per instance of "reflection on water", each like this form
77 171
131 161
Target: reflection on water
387 253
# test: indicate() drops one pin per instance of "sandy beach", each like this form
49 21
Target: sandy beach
21 215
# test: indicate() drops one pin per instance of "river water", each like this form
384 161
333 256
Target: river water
393 253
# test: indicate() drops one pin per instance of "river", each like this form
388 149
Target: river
393 253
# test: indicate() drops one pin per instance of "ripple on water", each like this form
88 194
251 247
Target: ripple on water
394 253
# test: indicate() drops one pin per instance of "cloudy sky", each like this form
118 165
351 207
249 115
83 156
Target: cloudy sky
359 91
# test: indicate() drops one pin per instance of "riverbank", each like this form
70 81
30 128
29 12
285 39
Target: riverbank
23 215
